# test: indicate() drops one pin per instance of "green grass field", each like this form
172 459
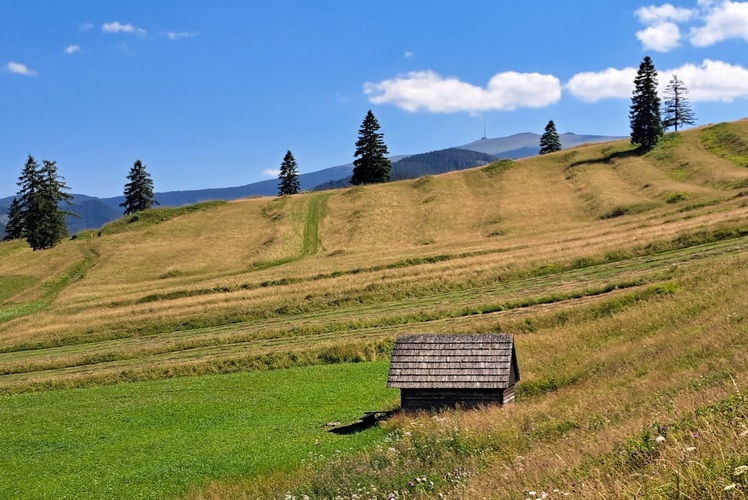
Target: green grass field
157 439
198 352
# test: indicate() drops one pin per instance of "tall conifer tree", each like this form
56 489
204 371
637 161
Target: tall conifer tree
288 179
39 218
371 164
139 191
550 141
14 227
646 124
677 110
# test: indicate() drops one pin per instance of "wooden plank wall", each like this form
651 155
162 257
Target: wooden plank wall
425 399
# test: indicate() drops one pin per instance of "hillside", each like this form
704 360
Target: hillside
620 274
94 212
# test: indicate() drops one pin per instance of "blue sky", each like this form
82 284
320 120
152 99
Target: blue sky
212 94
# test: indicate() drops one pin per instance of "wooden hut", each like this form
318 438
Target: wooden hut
467 370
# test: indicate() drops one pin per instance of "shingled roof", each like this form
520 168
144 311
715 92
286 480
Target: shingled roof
466 361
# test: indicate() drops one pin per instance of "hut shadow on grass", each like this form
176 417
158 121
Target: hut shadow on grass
369 420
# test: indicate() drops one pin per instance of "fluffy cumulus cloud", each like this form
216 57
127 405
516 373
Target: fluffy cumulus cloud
20 69
711 80
662 34
662 37
429 91
595 86
271 172
708 81
117 27
72 49
723 21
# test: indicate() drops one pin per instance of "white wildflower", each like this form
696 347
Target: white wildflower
729 487
741 470
660 439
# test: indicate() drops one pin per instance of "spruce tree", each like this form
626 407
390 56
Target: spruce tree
38 216
677 110
288 179
45 221
646 124
14 227
371 164
139 191
550 141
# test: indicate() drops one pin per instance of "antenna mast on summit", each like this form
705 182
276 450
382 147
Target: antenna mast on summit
484 130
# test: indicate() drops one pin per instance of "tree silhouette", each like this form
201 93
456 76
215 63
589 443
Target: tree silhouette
289 176
139 191
677 110
550 141
646 125
371 164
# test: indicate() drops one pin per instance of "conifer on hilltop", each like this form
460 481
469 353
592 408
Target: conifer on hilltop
646 124
371 164
677 110
288 178
35 213
550 141
139 191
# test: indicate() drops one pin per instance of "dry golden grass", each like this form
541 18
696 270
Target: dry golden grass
621 275
366 262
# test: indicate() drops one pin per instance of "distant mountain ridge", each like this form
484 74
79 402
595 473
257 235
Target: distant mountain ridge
95 212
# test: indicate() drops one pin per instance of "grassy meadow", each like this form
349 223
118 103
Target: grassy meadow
200 351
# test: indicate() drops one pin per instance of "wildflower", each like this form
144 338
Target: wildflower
741 470
531 493
729 487
660 439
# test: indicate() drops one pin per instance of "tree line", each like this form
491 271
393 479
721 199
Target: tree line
647 121
36 215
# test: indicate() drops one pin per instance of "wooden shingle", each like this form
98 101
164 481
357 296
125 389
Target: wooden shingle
435 370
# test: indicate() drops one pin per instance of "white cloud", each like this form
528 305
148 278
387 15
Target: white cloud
427 90
271 172
654 15
408 53
20 69
711 81
727 20
174 35
85 26
117 27
606 84
72 49
662 37
662 33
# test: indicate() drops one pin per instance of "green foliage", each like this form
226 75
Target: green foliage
498 167
156 216
371 164
550 142
37 216
646 125
723 140
288 179
139 191
675 197
14 227
438 162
